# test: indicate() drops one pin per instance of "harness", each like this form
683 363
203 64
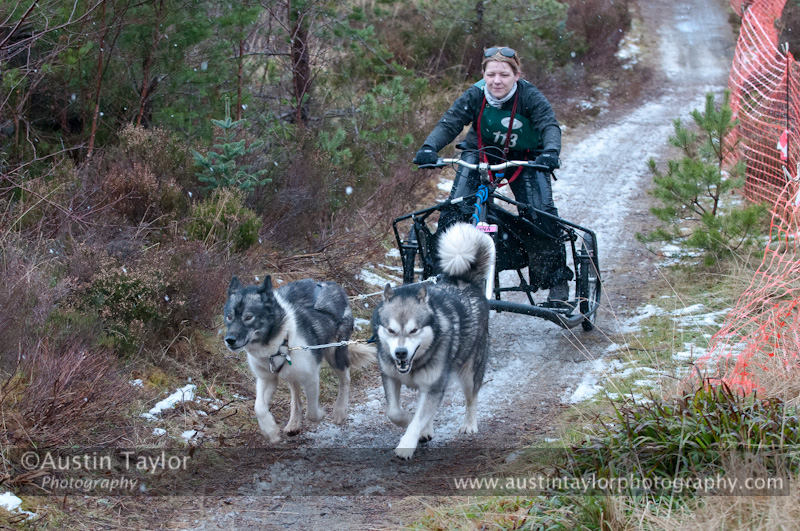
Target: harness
483 156
275 369
284 351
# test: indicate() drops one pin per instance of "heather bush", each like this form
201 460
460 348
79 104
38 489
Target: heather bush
45 205
142 302
163 152
63 395
148 176
195 281
223 219
129 301
28 294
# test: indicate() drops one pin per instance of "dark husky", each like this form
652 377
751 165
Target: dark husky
429 331
265 323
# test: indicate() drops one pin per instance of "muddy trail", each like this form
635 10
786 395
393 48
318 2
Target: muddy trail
344 477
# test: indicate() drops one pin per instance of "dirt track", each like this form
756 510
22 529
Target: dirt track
535 365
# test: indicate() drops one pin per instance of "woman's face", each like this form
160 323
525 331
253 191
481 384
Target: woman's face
499 77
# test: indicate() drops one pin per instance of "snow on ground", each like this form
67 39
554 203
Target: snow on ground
184 394
12 503
591 384
629 51
370 277
601 371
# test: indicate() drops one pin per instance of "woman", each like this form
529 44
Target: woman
511 120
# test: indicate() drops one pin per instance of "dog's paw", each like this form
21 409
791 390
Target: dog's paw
273 437
401 418
316 416
339 416
468 428
291 432
425 438
404 453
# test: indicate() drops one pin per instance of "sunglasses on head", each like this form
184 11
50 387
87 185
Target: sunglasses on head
505 52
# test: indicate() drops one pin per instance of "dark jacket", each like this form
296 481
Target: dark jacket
531 104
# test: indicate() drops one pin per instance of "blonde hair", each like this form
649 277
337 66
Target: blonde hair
514 62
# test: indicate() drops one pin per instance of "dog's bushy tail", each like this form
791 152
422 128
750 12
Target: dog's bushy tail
362 356
466 253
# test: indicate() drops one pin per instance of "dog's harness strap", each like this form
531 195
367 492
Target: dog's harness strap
429 280
273 367
314 347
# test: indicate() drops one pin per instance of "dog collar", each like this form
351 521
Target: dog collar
275 368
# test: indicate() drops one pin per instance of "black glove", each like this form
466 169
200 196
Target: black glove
549 159
426 155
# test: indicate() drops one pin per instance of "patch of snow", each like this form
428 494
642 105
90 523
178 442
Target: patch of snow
692 352
371 278
714 319
629 51
184 394
391 267
689 309
12 503
639 399
590 384
137 382
646 311
213 403
158 432
632 370
674 254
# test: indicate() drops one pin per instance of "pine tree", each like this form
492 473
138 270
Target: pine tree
220 168
697 191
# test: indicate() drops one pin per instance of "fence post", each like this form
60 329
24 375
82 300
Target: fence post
788 96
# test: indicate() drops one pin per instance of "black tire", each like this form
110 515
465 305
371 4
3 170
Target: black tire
409 256
588 282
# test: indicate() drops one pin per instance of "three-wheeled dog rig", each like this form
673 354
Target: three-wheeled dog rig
515 236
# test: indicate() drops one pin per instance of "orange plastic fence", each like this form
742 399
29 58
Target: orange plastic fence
765 100
762 333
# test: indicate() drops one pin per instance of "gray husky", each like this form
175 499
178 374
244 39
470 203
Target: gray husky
427 332
265 323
